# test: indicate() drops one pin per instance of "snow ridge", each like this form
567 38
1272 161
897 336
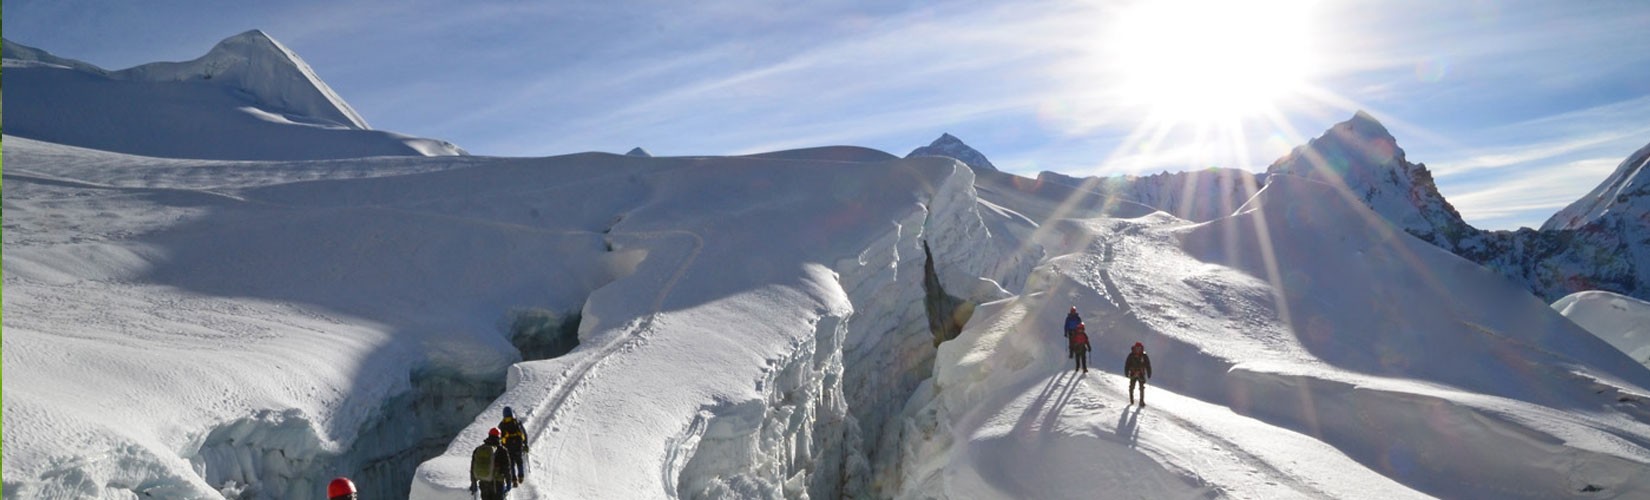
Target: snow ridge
951 147
1602 242
1622 321
17 53
1361 157
249 98
266 70
1197 195
1626 193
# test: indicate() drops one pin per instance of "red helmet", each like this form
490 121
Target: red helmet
1073 308
341 487
493 432
1140 346
1080 327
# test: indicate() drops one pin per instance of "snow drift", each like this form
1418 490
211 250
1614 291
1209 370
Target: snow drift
1622 321
248 329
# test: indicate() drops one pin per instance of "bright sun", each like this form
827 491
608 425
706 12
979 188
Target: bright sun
1211 60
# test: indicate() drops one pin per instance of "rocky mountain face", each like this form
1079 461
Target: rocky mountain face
1601 242
951 147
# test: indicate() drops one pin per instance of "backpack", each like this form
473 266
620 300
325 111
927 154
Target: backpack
511 434
481 463
1079 339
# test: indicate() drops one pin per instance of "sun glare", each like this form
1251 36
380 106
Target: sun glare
1211 60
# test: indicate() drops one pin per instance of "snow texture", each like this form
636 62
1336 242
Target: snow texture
1622 321
1274 379
1626 193
1601 242
755 326
249 98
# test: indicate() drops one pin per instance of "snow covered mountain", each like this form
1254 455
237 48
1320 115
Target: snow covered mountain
249 98
830 322
1622 321
1625 194
762 326
950 146
1361 158
1275 378
1198 195
1601 242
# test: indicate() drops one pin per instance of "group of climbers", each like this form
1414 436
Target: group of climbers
499 464
1137 366
496 467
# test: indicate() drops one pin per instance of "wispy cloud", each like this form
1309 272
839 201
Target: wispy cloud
1510 156
1533 195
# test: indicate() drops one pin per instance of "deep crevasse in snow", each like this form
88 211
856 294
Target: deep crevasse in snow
806 424
837 419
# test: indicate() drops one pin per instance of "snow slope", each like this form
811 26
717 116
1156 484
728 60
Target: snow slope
1626 193
253 328
1276 376
1601 242
1622 321
249 98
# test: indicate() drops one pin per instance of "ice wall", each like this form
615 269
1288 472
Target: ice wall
280 454
890 349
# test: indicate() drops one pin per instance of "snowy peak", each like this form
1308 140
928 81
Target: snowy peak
951 147
18 53
1625 193
249 98
1364 125
1361 157
269 72
1359 146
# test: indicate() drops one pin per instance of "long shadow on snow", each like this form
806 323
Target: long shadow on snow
1428 443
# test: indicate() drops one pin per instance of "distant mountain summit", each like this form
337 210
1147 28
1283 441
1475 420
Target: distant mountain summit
1601 242
951 147
266 70
249 98
1361 156
1625 194
639 152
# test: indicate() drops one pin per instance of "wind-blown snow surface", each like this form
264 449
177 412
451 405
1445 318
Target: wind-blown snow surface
199 327
249 98
1622 321
754 327
1303 348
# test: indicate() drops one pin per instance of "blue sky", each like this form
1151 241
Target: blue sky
1518 107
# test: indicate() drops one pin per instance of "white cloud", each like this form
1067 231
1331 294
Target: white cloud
1533 195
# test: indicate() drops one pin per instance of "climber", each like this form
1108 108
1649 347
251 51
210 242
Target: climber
515 442
1072 320
1138 367
341 488
1080 348
490 469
